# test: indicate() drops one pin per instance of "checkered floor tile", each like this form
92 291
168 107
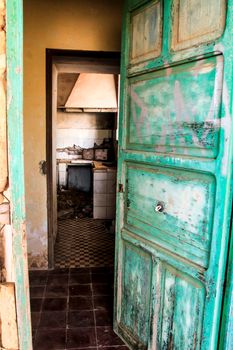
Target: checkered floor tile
83 243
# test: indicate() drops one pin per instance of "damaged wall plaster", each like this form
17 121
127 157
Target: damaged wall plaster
71 24
81 129
3 140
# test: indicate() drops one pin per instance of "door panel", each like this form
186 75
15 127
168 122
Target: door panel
152 287
135 293
146 29
184 115
181 322
197 21
174 173
184 223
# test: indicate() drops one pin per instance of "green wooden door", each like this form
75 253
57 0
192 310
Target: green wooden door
175 172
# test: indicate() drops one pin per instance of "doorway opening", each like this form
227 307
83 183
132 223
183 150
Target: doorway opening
82 124
76 295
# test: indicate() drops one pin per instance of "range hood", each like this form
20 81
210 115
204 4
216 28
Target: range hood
93 93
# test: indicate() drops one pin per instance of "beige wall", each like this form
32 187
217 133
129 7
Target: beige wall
60 24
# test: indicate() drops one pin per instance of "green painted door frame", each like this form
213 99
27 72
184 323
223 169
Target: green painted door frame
14 28
226 338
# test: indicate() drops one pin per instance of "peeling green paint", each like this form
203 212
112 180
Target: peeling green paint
175 153
14 28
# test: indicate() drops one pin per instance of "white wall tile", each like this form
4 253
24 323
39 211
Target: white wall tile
100 186
62 166
82 137
100 200
62 178
100 213
100 175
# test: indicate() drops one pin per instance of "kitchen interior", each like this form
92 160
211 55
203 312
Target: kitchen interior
86 157
72 304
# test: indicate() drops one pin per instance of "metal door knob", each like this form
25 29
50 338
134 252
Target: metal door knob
159 208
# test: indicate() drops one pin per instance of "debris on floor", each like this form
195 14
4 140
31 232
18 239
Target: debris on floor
73 204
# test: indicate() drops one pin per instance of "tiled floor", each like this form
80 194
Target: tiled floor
83 243
72 309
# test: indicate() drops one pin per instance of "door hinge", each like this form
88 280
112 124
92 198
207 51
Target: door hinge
43 167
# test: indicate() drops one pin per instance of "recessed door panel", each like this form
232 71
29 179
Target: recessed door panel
173 301
146 32
177 110
182 302
177 209
197 21
135 292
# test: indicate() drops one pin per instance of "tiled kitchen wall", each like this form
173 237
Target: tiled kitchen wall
62 174
83 129
84 138
104 194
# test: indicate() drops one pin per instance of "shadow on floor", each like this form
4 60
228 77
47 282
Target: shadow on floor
72 309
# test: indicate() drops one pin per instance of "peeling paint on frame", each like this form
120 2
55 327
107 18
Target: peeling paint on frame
14 27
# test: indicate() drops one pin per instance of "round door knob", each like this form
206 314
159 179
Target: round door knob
159 208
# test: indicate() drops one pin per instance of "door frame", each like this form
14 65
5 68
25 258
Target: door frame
52 55
226 330
14 55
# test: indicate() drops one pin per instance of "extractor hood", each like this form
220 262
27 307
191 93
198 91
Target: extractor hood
93 93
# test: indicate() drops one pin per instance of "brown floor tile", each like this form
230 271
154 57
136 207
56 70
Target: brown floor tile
58 272
100 278
33 333
53 319
101 270
58 280
103 302
89 348
54 304
56 291
37 292
80 279
80 303
117 347
80 289
81 318
36 304
35 319
80 270
38 273
37 280
103 318
50 339
81 337
106 337
101 289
